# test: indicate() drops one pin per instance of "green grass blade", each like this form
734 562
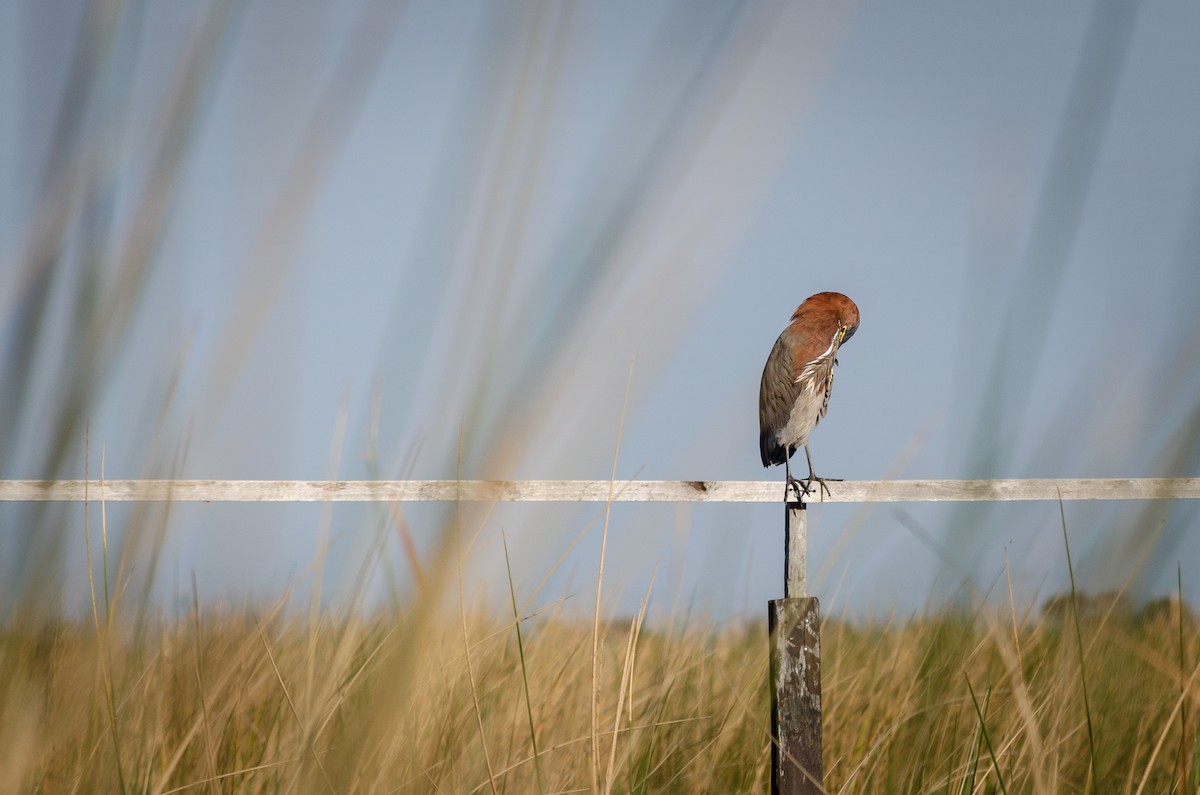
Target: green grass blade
987 696
1087 707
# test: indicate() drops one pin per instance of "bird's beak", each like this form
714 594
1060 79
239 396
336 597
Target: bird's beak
846 333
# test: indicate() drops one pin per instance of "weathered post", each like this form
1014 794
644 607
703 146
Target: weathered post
795 551
795 627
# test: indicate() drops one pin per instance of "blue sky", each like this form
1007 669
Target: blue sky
388 227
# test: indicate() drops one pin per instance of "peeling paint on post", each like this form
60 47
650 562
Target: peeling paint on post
796 765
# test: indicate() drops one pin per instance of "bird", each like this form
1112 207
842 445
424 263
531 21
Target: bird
797 381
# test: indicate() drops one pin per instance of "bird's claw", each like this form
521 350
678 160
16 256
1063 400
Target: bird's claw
822 484
799 486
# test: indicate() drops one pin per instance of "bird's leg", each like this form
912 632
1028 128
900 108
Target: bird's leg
800 487
812 476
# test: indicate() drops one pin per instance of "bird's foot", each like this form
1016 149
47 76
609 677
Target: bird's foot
822 484
799 486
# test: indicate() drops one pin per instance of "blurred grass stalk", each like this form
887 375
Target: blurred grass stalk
1041 251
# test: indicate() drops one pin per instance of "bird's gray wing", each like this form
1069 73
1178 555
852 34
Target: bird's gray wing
776 396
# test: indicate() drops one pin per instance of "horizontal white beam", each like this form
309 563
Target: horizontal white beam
591 490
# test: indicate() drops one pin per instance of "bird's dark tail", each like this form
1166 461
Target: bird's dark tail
772 452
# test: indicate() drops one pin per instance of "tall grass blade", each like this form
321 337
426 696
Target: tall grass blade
595 693
105 639
1162 737
462 604
295 712
102 635
1181 759
201 695
512 592
1087 707
626 686
983 729
968 780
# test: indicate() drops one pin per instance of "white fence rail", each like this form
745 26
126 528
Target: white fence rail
850 491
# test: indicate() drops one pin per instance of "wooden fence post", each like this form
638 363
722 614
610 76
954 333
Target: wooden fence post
795 627
795 551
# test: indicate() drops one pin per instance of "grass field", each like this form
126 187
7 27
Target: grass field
233 701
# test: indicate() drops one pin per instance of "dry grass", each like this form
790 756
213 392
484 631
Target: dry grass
423 698
234 702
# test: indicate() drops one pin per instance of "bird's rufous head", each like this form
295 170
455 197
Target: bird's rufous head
828 315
